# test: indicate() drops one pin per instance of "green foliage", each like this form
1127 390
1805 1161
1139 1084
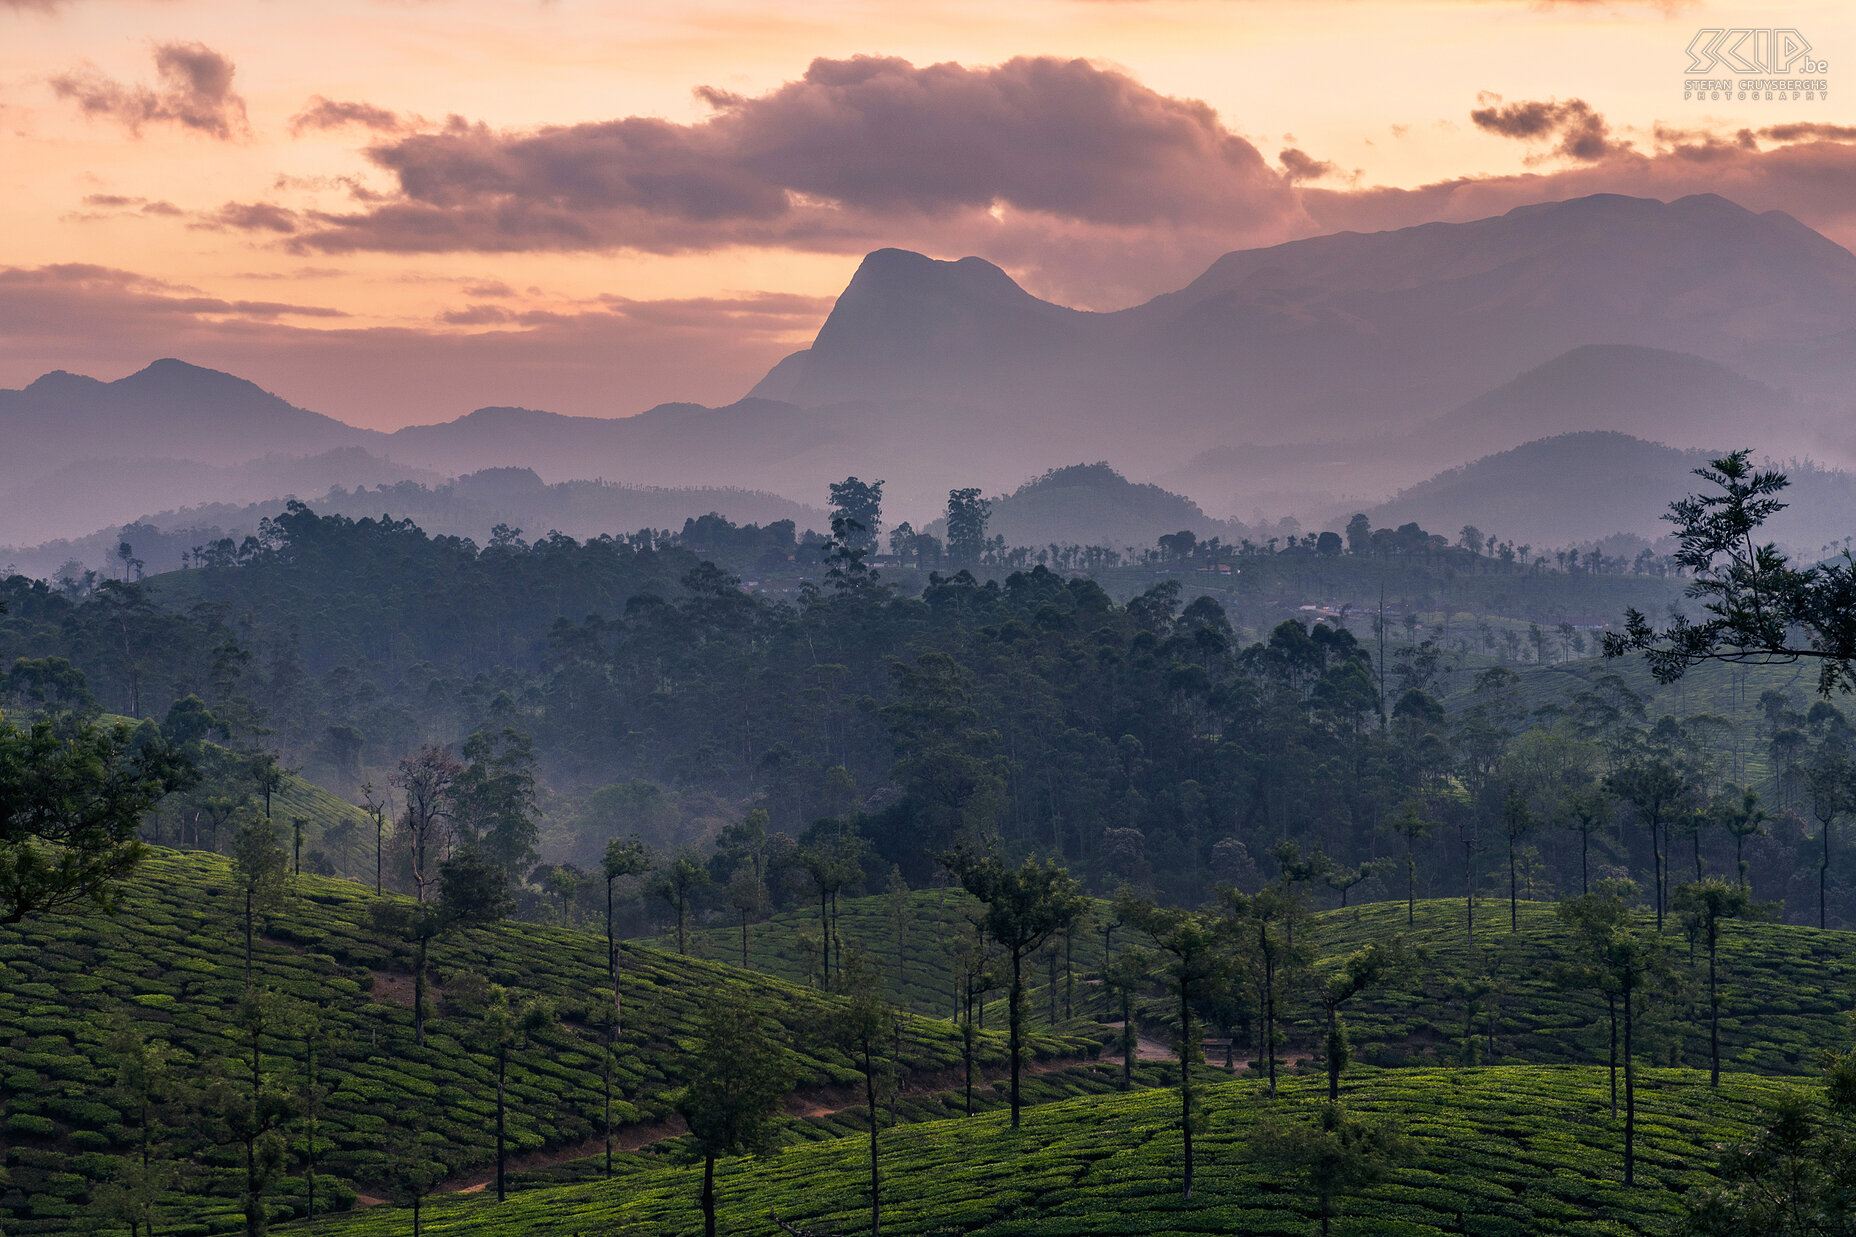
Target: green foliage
167 972
1335 1156
1760 609
72 793
1507 1150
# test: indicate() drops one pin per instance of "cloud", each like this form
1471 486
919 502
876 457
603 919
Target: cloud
843 157
116 206
1581 132
320 113
1808 132
1298 165
249 217
194 91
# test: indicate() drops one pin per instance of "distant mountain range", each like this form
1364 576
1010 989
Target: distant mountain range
1311 377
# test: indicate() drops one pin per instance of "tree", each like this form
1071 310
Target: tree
736 1079
967 514
861 1026
505 1027
1025 908
377 811
1362 969
832 857
1517 823
676 881
1704 905
1263 930
411 1167
1758 608
146 1087
1658 793
471 891
1742 818
1585 810
1124 978
492 798
251 1111
1628 965
1411 825
1796 1176
860 506
317 1034
747 897
1334 1156
426 781
1828 780
72 793
622 859
259 867
1359 535
1192 963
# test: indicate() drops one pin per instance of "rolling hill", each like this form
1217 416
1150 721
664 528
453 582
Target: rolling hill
170 966
1502 1152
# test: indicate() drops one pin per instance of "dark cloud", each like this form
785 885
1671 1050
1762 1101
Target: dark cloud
194 91
1578 131
116 205
320 113
70 284
249 217
1809 132
841 158
1298 165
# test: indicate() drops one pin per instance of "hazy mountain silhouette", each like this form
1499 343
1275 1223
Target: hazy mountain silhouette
1585 486
97 493
1092 504
1295 378
1344 336
170 410
1650 393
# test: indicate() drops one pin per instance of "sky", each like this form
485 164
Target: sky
396 211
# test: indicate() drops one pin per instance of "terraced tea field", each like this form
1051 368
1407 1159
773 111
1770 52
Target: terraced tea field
1507 1151
1786 992
1802 982
919 970
172 964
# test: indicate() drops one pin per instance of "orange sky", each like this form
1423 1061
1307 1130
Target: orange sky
211 217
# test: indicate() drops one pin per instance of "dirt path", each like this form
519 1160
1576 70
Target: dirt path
810 1102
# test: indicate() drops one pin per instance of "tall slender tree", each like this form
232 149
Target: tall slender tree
262 873
1188 943
1704 906
1025 908
735 1081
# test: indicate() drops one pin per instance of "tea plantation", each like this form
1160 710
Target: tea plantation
1801 980
918 958
1786 992
170 965
1508 1151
